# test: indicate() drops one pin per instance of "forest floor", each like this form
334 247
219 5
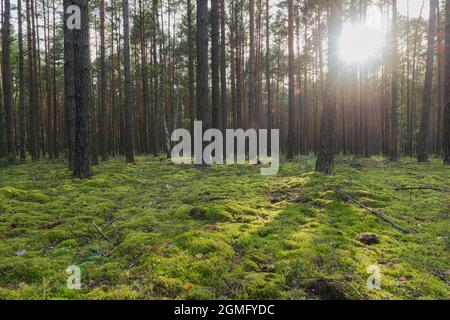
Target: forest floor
155 230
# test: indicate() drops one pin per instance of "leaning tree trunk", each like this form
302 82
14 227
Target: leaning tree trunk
325 158
446 135
422 152
129 105
76 63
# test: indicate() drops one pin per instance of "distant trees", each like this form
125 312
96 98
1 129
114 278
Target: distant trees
153 71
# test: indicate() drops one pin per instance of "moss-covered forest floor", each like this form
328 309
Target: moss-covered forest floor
155 230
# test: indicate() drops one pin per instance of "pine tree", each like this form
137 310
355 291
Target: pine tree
129 103
422 152
325 157
7 80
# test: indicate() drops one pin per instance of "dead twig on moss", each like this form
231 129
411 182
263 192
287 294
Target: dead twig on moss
431 188
374 212
103 234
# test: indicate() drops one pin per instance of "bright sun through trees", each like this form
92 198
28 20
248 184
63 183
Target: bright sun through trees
360 43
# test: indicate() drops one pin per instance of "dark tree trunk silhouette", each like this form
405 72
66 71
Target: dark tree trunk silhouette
291 70
223 67
202 61
22 128
7 80
422 152
129 103
191 102
393 151
268 77
103 108
76 57
215 89
32 88
325 157
446 125
251 66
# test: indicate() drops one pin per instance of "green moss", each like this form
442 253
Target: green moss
222 232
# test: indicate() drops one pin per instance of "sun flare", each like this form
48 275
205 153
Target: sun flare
359 43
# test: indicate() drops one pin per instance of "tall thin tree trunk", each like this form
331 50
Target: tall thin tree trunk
191 103
441 81
129 103
251 65
21 86
393 154
268 77
325 158
446 125
202 61
291 74
422 152
33 128
7 80
223 67
103 108
215 89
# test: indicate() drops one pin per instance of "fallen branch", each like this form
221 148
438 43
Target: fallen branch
438 189
374 212
103 234
111 252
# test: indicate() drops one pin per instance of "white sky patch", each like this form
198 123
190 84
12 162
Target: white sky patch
414 8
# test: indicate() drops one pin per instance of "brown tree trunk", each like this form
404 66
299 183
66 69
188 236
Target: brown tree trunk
422 152
202 61
446 125
21 86
292 132
191 103
393 151
103 108
325 158
251 65
215 89
76 57
7 81
129 103
223 67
